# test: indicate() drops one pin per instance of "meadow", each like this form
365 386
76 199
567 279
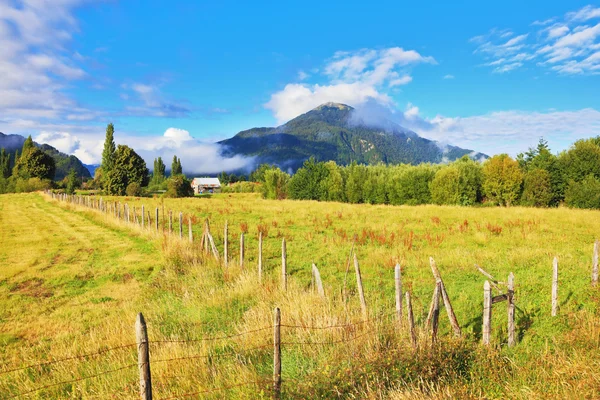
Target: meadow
72 280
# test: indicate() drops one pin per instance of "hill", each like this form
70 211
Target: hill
333 132
64 162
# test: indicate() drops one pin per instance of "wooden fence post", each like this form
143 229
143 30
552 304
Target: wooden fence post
170 221
226 244
487 312
361 293
277 354
595 263
242 250
260 260
411 321
555 287
180 225
318 282
398 282
143 215
190 233
511 310
157 220
141 335
447 304
435 316
283 265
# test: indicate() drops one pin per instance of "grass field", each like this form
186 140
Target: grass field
72 281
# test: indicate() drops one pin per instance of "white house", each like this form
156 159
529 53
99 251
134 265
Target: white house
203 185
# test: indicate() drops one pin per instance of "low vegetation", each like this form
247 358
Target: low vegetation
72 280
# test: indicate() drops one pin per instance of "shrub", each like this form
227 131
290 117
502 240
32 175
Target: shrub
537 190
133 189
584 194
179 186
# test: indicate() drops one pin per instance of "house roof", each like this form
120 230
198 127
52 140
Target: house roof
206 182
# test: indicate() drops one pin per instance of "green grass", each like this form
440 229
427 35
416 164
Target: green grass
72 280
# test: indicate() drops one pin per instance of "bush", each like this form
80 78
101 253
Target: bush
242 187
134 189
584 194
275 186
537 190
179 186
32 185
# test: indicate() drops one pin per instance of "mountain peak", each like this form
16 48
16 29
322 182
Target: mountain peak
339 106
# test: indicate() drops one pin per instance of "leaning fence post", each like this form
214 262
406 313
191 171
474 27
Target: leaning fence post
411 320
511 310
595 263
190 234
180 225
487 312
141 335
555 287
277 355
226 244
361 293
398 281
260 266
435 316
242 250
318 282
445 297
283 265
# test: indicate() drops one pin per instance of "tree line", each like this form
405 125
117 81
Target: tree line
536 178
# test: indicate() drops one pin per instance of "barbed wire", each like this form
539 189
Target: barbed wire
73 380
214 338
194 357
362 322
77 357
179 396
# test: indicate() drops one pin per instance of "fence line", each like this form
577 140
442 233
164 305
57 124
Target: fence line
440 294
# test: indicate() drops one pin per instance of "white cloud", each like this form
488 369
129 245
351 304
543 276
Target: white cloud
563 45
448 76
584 14
354 78
302 75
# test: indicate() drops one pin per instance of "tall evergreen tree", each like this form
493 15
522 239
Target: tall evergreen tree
108 154
27 145
4 164
158 173
176 166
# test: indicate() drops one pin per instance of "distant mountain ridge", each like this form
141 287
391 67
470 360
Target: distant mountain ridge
64 162
331 132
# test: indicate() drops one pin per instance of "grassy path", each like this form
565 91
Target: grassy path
67 281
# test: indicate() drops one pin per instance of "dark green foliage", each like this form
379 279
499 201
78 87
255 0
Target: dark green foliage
133 189
306 182
226 178
108 153
412 185
176 167
275 185
128 168
158 173
537 188
72 182
65 163
34 163
584 194
330 132
179 186
581 160
258 175
540 157
4 164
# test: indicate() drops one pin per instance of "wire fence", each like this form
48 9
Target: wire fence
263 384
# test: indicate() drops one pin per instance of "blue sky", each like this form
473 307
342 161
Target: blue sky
176 76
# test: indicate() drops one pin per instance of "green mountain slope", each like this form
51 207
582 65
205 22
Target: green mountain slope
64 162
329 132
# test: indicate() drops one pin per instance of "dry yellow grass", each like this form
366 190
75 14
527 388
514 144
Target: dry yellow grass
187 296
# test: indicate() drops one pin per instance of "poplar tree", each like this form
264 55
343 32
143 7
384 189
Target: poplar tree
108 154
